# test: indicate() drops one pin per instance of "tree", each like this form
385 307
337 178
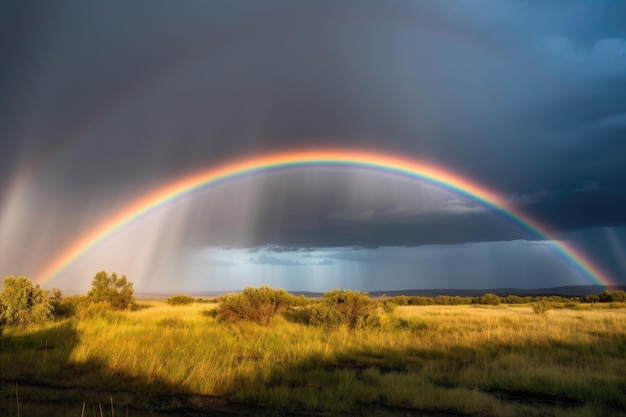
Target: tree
23 303
111 289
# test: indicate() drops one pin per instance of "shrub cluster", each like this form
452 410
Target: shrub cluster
542 307
342 307
258 305
605 297
68 306
180 299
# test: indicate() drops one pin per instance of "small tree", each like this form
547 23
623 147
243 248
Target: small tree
23 303
111 289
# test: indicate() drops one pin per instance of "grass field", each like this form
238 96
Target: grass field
439 360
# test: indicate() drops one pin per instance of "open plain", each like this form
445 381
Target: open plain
476 360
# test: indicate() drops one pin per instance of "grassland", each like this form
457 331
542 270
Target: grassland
421 360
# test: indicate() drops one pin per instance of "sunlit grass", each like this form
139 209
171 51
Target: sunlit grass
501 361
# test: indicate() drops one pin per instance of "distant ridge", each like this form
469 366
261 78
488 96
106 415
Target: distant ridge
571 291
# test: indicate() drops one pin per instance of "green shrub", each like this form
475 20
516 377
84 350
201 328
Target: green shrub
401 300
324 315
180 299
258 305
542 307
420 301
297 314
489 299
338 307
612 296
389 306
23 303
68 306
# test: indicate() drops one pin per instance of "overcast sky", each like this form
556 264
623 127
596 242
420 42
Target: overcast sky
103 102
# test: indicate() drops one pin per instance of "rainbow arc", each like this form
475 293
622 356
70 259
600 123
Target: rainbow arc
320 157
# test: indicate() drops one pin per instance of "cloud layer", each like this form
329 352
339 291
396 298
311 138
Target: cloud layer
103 103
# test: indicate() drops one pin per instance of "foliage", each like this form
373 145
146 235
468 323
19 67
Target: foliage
69 306
116 291
56 296
489 299
180 299
612 296
339 307
325 315
258 305
389 306
23 303
542 307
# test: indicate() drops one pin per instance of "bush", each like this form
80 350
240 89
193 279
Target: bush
489 299
542 307
324 315
177 300
342 307
116 291
612 296
258 305
389 306
23 303
68 306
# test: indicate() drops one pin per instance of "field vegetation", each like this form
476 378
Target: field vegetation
344 354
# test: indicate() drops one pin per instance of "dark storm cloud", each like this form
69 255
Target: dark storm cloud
107 101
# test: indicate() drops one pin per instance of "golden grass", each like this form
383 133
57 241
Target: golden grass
491 361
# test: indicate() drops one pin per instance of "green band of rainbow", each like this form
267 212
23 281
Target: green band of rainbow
257 164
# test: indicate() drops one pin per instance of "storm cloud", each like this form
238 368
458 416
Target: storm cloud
104 103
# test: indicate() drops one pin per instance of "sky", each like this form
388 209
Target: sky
103 103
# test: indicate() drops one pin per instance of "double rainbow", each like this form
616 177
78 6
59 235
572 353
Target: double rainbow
326 157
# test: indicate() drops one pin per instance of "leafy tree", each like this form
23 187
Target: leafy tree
23 303
116 291
259 305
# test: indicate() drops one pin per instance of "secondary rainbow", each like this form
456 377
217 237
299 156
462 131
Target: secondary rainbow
329 157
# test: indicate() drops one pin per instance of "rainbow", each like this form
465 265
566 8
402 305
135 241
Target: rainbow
320 157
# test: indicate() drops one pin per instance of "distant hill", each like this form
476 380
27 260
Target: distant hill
572 291
575 290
